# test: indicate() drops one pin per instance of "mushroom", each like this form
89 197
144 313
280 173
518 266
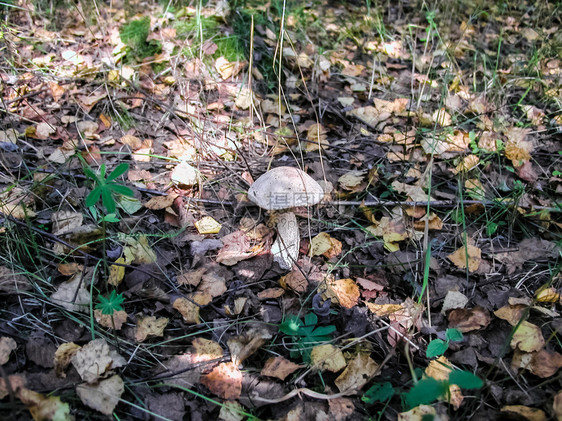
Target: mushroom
281 189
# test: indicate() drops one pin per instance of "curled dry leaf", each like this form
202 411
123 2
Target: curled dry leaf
63 354
279 367
327 358
102 396
467 320
225 381
150 326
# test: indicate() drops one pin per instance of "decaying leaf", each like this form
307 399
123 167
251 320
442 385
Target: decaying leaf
189 309
467 320
327 358
235 249
419 413
470 254
511 313
391 230
150 326
541 363
7 345
111 321
524 412
243 346
325 245
95 359
102 396
279 368
44 408
73 295
527 337
357 373
225 381
137 250
345 291
206 350
63 354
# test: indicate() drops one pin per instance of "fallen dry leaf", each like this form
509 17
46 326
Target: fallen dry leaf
511 313
63 354
345 291
327 358
279 368
236 248
470 254
357 373
225 381
7 345
529 414
324 245
527 337
419 413
102 396
557 406
95 359
245 345
207 225
44 408
150 326
73 295
440 369
542 363
467 320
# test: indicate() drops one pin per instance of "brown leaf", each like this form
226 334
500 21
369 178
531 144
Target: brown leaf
521 411
225 381
327 358
357 373
542 363
467 320
7 345
150 326
236 248
527 337
278 367
103 396
511 313
345 291
459 258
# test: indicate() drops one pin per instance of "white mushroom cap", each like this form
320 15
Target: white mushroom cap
285 188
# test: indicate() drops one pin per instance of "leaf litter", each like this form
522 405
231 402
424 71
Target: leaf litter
442 211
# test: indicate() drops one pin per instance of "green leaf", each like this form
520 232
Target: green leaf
425 392
454 335
323 330
111 304
465 379
90 174
110 218
102 173
119 170
310 319
93 197
380 392
290 325
120 189
129 204
108 200
436 348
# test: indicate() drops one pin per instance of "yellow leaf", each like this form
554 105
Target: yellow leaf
466 256
207 225
116 273
528 337
327 358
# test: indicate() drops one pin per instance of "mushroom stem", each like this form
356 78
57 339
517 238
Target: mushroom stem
285 249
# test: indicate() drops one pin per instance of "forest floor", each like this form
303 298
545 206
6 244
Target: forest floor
137 279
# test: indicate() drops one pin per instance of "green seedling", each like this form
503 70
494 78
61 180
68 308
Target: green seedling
106 188
111 304
437 347
428 390
306 334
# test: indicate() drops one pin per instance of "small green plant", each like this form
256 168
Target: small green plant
305 334
437 347
111 304
134 34
106 188
428 390
379 392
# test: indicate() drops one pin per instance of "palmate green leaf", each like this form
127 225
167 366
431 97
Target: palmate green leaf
93 197
120 189
119 170
323 331
290 325
90 174
465 379
436 348
425 392
108 200
111 304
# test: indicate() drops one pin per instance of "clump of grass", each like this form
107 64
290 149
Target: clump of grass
134 34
